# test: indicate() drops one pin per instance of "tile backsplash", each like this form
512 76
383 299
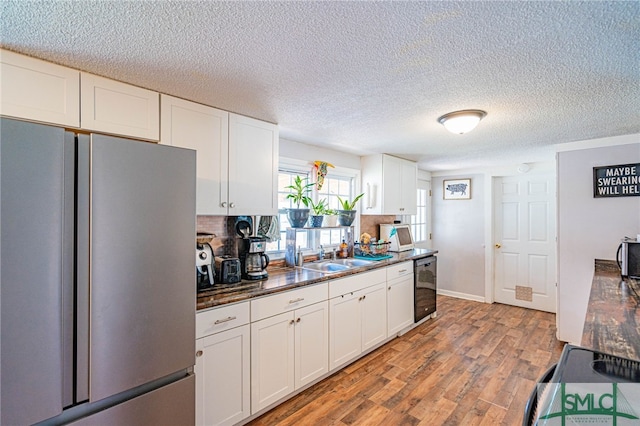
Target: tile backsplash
370 224
224 242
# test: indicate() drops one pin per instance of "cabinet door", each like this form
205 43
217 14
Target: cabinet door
311 343
399 304
206 130
272 360
408 204
38 90
222 377
392 185
373 307
113 107
253 167
345 329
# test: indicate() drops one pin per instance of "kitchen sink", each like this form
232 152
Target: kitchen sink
334 266
352 263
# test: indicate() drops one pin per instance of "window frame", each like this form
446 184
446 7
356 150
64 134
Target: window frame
422 185
293 166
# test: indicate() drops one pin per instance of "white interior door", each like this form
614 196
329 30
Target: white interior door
525 241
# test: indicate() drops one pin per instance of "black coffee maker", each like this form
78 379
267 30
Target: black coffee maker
205 262
253 259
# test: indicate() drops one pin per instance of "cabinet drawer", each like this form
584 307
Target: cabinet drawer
222 318
356 282
287 301
399 270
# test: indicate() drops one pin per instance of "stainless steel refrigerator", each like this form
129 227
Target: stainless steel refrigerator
98 279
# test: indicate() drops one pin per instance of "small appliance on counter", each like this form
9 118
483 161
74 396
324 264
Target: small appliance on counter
228 270
628 257
398 234
205 262
253 259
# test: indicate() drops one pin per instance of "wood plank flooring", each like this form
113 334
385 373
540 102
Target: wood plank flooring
475 364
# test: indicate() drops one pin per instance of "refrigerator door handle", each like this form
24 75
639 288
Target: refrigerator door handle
83 284
68 270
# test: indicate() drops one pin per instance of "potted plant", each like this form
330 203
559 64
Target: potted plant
299 194
347 214
318 210
330 218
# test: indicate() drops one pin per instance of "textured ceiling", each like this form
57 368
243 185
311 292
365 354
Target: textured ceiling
366 77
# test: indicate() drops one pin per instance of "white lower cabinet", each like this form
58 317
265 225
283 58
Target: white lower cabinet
288 349
253 354
223 365
272 364
311 343
373 309
399 297
357 317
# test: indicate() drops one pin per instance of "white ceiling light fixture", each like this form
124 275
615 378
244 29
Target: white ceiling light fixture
460 122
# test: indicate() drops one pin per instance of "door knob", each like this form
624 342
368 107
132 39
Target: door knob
498 245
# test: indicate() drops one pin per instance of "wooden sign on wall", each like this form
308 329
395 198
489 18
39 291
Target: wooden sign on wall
622 180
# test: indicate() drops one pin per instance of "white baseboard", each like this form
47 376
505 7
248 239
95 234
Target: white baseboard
461 295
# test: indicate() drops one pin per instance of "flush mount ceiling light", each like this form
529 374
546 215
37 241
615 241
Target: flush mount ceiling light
462 121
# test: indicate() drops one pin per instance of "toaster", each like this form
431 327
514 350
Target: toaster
228 270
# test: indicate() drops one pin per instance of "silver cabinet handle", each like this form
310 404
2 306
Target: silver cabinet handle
402 270
199 353
232 205
299 299
298 320
223 204
224 320
292 322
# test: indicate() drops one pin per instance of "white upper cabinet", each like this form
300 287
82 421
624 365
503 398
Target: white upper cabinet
37 90
237 160
110 106
390 185
253 166
205 129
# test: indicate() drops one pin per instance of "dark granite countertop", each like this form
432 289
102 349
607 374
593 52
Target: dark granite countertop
288 278
612 323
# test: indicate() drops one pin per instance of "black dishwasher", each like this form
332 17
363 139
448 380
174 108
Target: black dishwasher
424 272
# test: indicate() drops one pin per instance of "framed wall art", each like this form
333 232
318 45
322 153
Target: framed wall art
456 189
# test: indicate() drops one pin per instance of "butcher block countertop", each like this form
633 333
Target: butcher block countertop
287 278
612 323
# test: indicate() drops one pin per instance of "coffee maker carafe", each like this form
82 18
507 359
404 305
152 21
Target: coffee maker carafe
253 258
205 262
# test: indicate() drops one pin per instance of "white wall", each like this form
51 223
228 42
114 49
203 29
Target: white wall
458 235
589 228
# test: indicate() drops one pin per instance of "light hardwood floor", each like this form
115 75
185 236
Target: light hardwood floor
475 364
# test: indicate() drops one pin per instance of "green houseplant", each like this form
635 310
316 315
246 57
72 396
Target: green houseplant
330 218
348 213
300 195
318 210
